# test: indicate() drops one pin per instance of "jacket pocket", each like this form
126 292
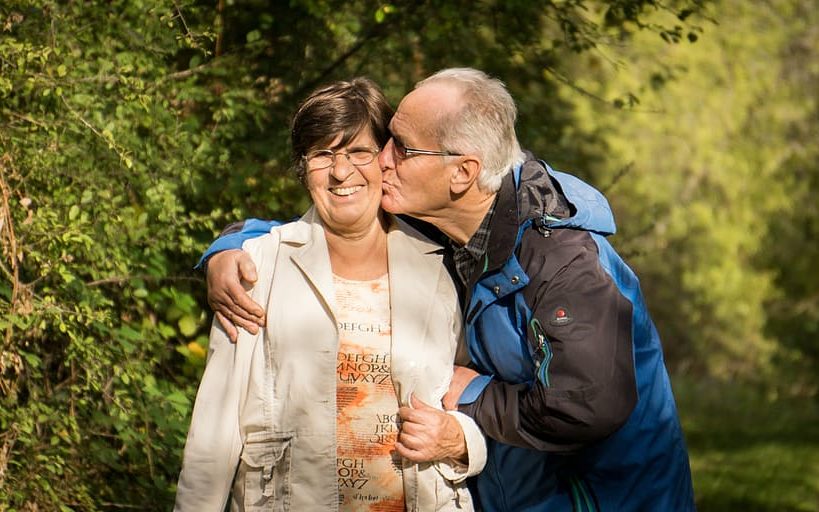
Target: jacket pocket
262 481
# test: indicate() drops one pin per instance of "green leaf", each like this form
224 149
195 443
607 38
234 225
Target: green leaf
253 35
187 325
32 360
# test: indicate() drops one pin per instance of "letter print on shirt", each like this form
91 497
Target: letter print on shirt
368 469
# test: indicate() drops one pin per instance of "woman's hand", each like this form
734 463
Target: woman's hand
429 434
227 295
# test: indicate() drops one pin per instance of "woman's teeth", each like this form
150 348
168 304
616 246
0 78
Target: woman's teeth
346 191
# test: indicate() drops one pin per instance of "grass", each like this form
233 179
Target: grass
750 451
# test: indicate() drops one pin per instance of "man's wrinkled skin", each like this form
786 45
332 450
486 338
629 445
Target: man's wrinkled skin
428 435
230 274
461 377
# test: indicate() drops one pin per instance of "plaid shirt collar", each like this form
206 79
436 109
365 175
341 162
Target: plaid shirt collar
468 257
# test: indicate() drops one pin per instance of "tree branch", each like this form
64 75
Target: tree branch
144 277
11 240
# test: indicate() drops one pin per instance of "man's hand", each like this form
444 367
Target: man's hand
227 296
461 377
429 434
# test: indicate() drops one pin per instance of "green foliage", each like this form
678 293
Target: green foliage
131 131
701 165
101 174
751 450
793 252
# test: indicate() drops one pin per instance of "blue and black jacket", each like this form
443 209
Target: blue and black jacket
574 397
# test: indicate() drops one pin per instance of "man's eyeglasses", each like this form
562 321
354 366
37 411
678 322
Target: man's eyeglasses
324 158
404 152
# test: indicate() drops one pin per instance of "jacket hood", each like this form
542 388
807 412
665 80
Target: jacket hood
591 208
575 203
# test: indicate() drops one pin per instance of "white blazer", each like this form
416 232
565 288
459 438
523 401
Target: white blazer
264 421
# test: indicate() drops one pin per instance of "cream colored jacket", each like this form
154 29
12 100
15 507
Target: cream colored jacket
264 421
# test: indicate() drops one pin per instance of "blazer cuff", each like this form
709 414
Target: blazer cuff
475 449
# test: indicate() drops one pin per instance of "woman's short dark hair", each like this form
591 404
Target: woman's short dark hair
345 107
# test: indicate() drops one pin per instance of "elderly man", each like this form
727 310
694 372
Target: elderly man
568 380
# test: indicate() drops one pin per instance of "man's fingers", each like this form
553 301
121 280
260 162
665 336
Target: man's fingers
244 307
408 414
228 326
411 442
230 322
419 404
411 454
406 452
250 326
247 269
227 294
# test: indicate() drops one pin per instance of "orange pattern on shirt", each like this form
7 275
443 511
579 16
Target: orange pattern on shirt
368 468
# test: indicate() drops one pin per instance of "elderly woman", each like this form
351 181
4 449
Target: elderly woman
362 320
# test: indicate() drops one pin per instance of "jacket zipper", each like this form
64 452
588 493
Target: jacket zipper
543 353
583 499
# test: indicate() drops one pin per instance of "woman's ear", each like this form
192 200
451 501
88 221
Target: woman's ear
465 174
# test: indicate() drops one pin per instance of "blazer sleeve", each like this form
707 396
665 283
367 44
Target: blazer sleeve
214 442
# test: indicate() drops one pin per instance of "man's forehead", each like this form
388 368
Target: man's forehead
415 116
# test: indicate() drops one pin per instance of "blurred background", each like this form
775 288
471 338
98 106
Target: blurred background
132 131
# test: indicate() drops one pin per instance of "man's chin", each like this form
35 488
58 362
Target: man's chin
390 206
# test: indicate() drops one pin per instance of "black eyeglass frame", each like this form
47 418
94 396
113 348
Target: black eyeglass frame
407 152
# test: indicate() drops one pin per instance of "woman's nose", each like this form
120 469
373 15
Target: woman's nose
342 168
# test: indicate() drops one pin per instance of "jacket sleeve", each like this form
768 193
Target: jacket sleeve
581 332
233 236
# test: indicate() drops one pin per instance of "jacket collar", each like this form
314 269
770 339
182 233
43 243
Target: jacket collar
534 197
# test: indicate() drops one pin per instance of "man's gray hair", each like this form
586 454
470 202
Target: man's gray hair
484 126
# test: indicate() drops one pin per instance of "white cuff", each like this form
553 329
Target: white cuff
475 449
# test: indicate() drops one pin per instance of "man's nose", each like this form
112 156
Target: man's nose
385 156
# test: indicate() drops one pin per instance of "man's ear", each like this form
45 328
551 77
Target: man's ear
465 175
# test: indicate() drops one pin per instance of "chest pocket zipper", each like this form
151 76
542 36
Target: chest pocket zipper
543 352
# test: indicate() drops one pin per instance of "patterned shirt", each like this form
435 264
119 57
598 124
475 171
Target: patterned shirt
469 257
368 468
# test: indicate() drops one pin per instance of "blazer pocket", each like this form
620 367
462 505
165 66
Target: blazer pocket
263 479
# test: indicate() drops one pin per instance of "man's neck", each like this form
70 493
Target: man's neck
464 216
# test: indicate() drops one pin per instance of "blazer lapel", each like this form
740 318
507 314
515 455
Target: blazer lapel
415 266
313 257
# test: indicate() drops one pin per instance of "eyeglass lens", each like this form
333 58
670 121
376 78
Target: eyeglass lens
325 158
